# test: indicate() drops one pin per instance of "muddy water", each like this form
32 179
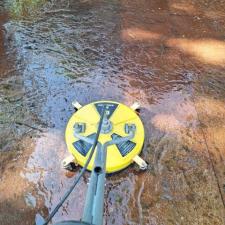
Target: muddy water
167 55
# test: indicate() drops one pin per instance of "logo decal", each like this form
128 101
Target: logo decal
110 108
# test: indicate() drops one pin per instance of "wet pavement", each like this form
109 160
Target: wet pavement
167 55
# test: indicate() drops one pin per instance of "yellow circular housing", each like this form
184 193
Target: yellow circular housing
119 156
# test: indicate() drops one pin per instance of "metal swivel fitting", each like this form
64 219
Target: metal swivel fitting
106 125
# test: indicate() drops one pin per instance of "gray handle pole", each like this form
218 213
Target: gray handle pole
94 203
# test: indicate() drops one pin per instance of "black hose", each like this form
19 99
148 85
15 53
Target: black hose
77 179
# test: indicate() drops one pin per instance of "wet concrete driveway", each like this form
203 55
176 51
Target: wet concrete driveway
168 55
